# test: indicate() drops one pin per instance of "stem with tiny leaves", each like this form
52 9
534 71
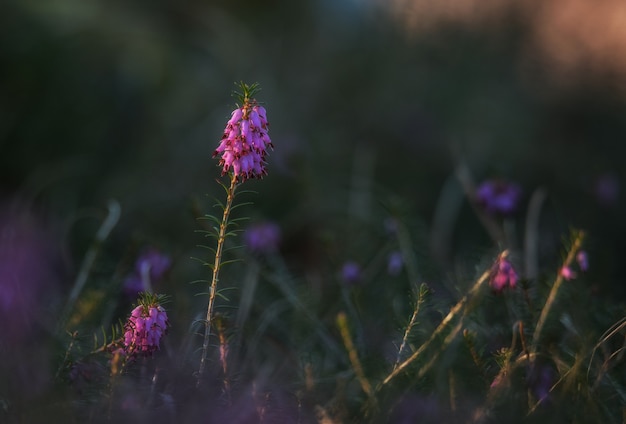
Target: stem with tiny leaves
216 269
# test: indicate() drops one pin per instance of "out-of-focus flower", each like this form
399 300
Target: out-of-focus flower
145 327
29 277
27 272
540 379
245 141
583 260
150 267
567 273
503 275
606 189
351 273
395 262
498 197
153 263
263 237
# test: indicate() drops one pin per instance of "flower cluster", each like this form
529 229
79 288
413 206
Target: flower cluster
145 327
245 141
502 275
498 197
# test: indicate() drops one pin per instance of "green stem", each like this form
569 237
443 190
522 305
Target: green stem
216 269
453 312
105 229
576 245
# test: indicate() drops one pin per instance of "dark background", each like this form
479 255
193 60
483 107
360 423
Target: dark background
127 101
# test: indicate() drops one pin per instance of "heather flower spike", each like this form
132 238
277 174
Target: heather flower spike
245 140
242 151
146 326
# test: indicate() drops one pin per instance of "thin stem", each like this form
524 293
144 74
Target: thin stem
342 323
216 270
421 297
576 245
453 312
105 229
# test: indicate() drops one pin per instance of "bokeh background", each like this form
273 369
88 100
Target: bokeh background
374 106
111 100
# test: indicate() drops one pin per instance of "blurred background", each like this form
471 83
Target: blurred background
373 105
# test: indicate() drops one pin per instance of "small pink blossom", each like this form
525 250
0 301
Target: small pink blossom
503 275
568 273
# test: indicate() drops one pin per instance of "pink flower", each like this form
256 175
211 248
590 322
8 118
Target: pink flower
568 273
502 275
245 141
146 326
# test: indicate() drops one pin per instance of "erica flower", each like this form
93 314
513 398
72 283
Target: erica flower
351 273
150 267
145 327
394 263
583 260
263 237
498 197
502 275
568 273
245 141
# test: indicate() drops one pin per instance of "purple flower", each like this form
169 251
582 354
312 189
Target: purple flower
263 237
351 273
153 263
583 260
498 197
150 267
245 141
395 262
540 379
502 275
145 327
606 189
